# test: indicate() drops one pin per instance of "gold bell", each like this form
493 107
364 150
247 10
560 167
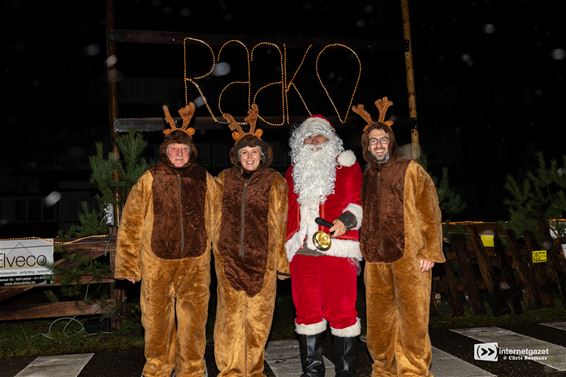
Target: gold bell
322 240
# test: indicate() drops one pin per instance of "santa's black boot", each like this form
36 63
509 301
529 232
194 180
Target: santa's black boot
345 352
311 355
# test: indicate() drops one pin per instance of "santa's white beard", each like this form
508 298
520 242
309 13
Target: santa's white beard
314 171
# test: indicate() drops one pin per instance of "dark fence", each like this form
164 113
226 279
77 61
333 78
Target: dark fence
83 265
489 269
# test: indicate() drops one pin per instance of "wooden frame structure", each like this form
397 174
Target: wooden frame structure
55 305
117 124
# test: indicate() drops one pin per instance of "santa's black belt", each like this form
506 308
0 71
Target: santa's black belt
309 252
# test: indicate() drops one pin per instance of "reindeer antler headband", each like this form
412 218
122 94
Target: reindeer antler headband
251 120
382 105
186 114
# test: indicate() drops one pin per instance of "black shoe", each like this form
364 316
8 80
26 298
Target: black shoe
345 351
311 355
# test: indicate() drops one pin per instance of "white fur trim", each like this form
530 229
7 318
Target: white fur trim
340 248
310 127
312 329
293 244
307 227
313 125
344 249
357 211
347 158
348 332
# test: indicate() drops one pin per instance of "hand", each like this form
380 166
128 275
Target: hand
425 265
131 280
338 228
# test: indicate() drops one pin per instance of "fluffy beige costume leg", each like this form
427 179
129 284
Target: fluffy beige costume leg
398 299
169 287
242 325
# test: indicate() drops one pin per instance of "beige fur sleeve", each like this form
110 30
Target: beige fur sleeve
213 207
278 223
132 227
428 211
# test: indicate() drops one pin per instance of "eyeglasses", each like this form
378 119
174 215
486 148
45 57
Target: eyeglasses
379 140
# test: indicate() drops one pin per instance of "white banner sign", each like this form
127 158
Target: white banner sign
25 261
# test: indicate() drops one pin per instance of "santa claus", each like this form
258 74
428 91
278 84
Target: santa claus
324 182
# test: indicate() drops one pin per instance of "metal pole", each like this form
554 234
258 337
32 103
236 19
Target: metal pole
415 148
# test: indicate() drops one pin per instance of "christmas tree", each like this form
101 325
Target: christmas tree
113 178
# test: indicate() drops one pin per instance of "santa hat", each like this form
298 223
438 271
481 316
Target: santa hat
314 125
318 125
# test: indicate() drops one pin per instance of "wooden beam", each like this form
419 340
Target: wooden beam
497 302
7 292
467 275
57 309
217 40
200 123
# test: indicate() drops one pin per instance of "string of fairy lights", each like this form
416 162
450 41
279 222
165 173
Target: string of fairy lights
106 237
285 86
56 242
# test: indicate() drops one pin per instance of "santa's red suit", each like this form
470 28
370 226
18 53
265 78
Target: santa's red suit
324 287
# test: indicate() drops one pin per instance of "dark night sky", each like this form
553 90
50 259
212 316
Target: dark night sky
489 76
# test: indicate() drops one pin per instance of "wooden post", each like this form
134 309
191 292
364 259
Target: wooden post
118 294
467 273
553 253
454 296
540 271
531 292
496 300
415 146
112 74
513 292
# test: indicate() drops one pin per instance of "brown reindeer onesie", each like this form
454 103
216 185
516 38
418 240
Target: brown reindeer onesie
249 253
164 241
401 232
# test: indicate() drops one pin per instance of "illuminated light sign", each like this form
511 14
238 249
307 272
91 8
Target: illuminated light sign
285 85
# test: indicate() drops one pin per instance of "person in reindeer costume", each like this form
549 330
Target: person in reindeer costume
164 241
401 240
249 252
324 182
